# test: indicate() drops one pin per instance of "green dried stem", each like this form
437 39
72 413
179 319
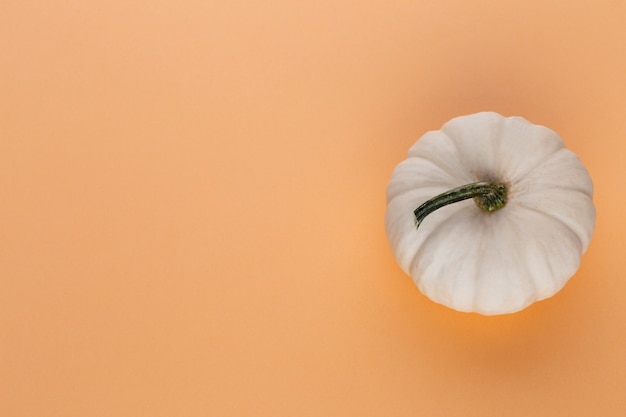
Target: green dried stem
489 196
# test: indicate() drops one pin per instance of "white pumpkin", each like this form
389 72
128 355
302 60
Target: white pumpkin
523 213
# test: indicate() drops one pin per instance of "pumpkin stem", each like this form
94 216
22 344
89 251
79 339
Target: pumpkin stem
489 196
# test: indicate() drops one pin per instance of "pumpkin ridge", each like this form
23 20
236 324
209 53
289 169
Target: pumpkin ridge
456 149
539 290
538 164
478 280
434 232
492 173
568 188
395 223
419 250
558 276
531 278
554 218
452 175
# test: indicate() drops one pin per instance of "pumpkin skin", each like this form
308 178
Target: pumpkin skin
496 262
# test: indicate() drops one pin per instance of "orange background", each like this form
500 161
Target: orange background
192 203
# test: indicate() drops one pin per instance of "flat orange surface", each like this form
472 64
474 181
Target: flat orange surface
192 197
